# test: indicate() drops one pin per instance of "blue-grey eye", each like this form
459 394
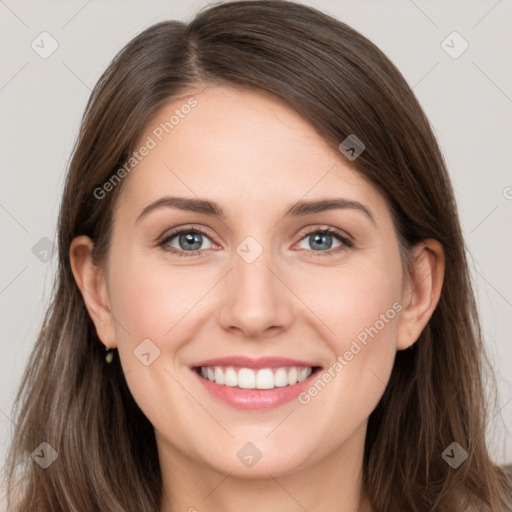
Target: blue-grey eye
188 240
319 241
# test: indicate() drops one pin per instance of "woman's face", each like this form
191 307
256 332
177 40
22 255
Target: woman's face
260 298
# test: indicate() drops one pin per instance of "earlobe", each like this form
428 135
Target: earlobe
91 281
422 291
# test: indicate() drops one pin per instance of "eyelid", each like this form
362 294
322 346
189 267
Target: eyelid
329 229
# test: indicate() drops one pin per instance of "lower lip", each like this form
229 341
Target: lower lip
255 398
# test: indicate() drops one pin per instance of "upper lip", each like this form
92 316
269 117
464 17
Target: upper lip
246 362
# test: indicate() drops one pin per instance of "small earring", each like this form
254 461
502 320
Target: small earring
110 354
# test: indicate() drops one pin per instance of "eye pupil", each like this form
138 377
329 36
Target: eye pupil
317 240
191 238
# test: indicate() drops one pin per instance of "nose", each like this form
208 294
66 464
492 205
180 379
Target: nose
257 303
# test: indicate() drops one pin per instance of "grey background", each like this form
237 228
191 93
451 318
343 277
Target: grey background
468 100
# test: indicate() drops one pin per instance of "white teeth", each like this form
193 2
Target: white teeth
247 378
303 374
230 377
264 379
280 378
219 375
292 376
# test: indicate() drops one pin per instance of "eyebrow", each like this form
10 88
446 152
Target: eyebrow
298 209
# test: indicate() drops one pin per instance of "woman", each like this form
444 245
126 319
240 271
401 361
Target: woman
256 368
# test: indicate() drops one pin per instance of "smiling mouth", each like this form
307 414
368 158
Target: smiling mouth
249 378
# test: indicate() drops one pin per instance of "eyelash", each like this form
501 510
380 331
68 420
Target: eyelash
347 243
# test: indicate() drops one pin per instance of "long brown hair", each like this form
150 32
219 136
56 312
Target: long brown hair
342 84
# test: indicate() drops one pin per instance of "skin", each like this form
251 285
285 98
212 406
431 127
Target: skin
255 157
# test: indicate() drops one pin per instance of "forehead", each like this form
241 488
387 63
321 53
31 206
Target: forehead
243 149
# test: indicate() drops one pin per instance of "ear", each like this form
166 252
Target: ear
92 283
421 291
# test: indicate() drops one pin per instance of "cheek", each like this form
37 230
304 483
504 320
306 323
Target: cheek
362 355
368 311
153 302
360 306
367 332
353 300
151 299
